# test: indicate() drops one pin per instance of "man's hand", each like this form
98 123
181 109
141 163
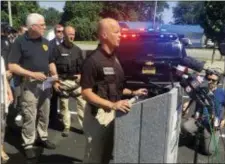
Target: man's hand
141 92
9 93
121 105
8 74
222 124
39 76
55 77
78 76
185 110
57 86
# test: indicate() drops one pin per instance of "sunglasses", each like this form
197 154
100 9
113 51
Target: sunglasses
213 80
59 31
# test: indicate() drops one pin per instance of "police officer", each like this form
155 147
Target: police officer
68 60
30 58
102 86
58 30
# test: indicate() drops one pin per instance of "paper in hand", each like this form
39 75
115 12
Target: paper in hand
47 83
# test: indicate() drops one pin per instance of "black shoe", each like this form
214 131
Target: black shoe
66 132
30 153
46 144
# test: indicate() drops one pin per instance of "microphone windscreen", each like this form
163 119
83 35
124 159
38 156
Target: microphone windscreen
192 63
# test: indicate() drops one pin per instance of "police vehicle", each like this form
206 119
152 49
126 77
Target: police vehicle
149 56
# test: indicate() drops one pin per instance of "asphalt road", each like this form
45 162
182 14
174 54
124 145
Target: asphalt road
71 150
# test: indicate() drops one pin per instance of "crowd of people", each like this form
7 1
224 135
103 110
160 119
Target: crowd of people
96 83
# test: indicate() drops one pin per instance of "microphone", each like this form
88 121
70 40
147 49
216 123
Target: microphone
193 63
133 100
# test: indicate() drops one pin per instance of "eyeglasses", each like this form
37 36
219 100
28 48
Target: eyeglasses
42 25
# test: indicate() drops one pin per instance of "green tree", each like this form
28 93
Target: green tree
188 12
213 20
20 9
133 10
52 16
83 16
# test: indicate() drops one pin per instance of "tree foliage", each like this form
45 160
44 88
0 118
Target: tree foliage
132 10
20 9
83 16
188 12
213 21
52 16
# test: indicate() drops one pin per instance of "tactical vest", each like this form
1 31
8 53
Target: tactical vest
66 62
109 88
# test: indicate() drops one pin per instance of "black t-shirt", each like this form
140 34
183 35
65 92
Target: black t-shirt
31 54
98 65
70 57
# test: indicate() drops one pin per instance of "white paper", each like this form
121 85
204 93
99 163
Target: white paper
47 83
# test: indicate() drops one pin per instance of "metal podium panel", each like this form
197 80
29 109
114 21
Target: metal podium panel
149 132
153 132
127 136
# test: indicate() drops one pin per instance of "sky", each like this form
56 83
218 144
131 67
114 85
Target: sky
167 14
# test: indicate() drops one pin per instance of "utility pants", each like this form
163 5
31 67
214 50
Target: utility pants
99 132
71 88
35 105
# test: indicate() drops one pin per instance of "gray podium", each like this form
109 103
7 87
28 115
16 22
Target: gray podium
150 132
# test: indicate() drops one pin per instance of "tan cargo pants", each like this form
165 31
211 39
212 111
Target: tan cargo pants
35 104
98 131
67 86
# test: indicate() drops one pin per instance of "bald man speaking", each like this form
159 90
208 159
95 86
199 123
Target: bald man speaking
68 59
102 79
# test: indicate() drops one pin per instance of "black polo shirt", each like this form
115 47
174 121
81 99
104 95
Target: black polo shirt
98 65
31 54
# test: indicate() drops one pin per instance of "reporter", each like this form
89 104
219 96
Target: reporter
189 127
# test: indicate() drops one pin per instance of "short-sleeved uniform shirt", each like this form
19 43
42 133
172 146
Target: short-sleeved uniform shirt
31 54
99 65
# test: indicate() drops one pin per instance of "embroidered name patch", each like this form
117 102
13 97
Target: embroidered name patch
64 54
108 71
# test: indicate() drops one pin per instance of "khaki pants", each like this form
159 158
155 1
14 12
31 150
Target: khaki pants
99 135
35 109
67 86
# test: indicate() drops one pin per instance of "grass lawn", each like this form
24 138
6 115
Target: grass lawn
87 42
